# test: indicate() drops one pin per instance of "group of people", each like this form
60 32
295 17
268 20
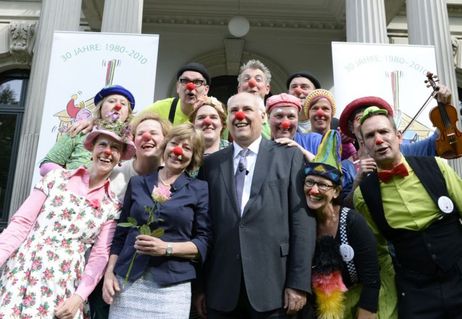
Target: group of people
253 209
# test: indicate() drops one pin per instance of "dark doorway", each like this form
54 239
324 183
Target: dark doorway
223 87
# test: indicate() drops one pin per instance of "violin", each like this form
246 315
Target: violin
444 117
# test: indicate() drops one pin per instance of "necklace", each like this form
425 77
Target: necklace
164 182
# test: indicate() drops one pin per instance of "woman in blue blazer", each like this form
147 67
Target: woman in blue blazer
157 283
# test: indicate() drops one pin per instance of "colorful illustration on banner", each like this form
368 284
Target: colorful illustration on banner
83 109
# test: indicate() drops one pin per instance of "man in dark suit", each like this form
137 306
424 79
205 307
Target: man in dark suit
260 263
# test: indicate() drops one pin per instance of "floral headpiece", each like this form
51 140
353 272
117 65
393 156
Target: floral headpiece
212 101
122 129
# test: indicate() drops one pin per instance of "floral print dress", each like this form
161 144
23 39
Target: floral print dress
47 267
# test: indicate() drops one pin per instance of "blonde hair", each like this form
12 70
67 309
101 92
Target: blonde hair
187 131
97 112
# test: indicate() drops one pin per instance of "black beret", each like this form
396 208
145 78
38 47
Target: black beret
304 74
196 67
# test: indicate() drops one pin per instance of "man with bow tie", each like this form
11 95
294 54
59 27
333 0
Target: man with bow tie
413 204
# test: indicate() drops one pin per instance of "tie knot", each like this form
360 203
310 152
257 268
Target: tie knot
244 152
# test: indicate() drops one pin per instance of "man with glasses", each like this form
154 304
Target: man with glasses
193 82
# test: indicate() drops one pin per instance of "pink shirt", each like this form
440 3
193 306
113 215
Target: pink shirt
24 219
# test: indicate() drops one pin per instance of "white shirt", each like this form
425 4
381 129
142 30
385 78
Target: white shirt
120 176
251 159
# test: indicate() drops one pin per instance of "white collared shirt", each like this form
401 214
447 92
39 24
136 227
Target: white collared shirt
251 159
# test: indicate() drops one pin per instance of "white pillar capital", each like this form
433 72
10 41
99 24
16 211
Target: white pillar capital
130 11
365 21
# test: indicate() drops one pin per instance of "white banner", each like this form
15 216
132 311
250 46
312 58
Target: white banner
81 64
393 72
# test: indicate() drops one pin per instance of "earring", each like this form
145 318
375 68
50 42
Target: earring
91 158
120 164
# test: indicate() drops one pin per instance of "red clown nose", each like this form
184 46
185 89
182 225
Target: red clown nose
239 116
206 122
298 91
107 152
320 113
313 190
117 107
285 125
178 151
378 141
146 136
190 86
252 83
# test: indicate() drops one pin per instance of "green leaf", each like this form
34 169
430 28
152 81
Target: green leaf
145 230
125 225
158 232
132 221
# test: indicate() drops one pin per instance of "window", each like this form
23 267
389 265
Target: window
13 87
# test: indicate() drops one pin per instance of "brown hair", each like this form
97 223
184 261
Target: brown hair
144 116
216 104
187 131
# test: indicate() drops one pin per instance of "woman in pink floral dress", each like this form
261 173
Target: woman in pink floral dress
42 251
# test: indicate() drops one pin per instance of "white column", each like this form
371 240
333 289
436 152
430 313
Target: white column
365 21
63 15
122 16
428 24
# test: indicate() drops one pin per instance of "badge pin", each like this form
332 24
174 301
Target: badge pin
347 252
445 204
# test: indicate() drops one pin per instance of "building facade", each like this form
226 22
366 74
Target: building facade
286 35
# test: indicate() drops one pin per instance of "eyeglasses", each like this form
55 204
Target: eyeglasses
321 186
197 83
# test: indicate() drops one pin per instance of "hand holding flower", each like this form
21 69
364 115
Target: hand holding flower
149 245
148 241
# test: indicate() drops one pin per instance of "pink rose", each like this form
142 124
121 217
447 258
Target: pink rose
161 194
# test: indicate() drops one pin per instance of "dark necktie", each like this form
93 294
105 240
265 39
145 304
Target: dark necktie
398 170
239 177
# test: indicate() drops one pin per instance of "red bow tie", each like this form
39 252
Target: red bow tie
398 170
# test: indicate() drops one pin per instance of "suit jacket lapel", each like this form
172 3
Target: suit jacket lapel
149 182
227 174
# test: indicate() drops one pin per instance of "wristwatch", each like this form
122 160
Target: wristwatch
169 250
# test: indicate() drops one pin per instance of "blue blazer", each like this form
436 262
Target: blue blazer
185 218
